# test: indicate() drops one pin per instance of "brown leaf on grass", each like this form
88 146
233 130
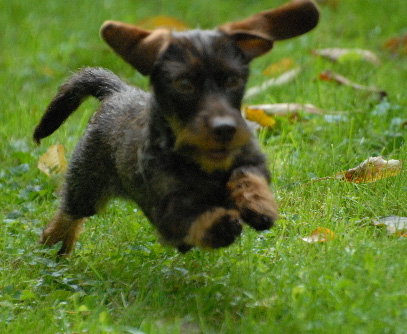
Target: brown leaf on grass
397 45
342 55
279 67
53 161
332 3
395 225
284 78
339 79
320 234
371 170
48 71
162 21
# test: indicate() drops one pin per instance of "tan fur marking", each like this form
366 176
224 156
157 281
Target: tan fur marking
251 191
197 234
203 142
63 228
210 166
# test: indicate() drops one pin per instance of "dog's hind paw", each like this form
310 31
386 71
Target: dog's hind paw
63 228
183 248
215 228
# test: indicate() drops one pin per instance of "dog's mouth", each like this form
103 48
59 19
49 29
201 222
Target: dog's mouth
211 159
216 159
218 154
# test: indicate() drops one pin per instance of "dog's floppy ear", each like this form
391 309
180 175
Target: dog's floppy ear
255 35
137 46
253 44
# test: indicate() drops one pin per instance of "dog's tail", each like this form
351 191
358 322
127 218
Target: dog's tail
89 81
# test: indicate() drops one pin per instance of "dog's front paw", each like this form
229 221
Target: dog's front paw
253 199
215 228
258 218
223 231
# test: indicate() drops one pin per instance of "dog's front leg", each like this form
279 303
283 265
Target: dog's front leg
188 221
250 193
215 228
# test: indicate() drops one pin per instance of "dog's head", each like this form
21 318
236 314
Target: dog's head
198 77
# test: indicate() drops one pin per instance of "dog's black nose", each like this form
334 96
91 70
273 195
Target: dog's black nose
223 128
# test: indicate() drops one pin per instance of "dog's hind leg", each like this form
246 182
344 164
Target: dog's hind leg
79 201
87 188
62 227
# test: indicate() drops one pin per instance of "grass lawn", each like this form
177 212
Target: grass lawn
120 278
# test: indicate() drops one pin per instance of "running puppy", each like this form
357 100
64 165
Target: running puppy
182 152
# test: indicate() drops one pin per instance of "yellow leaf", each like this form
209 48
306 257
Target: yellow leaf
162 21
283 65
53 161
48 71
371 170
104 317
395 225
320 234
259 116
83 308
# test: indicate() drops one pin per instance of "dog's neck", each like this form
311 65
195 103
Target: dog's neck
159 131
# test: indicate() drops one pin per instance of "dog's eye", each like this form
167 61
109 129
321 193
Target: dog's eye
233 82
184 86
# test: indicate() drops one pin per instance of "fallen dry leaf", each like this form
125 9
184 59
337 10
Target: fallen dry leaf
265 114
370 170
339 55
53 160
48 71
332 3
320 234
284 78
397 45
259 116
395 225
335 77
162 21
279 67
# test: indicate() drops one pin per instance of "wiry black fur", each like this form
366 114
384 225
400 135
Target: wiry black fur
97 83
128 148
